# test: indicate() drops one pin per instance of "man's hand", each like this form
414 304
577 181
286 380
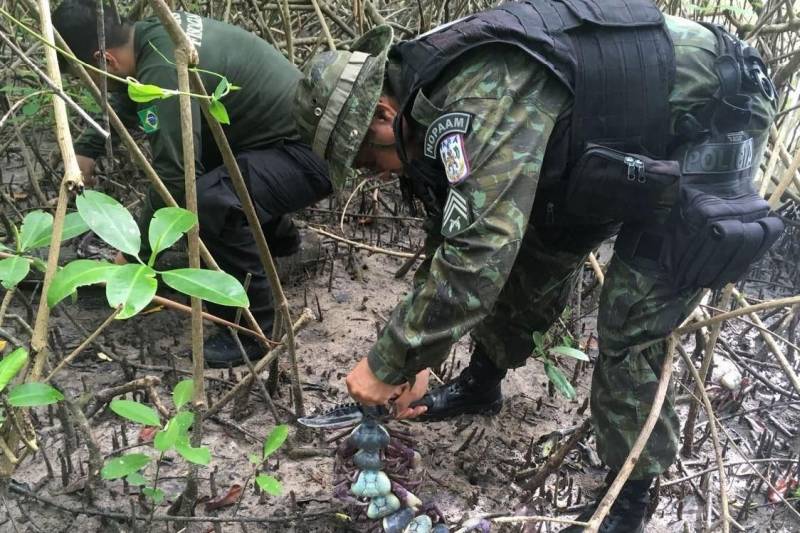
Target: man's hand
367 389
412 394
86 164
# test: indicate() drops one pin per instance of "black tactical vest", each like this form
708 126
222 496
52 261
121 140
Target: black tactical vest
615 57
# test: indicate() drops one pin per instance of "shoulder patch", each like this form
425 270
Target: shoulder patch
456 217
148 119
448 123
454 158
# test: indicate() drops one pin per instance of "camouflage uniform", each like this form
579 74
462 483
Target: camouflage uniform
501 277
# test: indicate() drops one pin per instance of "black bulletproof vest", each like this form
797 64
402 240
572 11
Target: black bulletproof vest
615 56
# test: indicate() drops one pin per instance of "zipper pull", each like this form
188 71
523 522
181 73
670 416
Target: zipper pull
630 162
550 216
639 171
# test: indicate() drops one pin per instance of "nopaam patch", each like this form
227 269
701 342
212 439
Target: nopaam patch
454 158
448 123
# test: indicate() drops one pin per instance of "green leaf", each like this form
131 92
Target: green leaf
36 225
142 92
13 270
124 466
31 108
538 340
76 274
218 111
11 365
33 394
200 456
183 393
166 438
215 287
560 381
570 352
183 421
133 286
136 412
110 221
254 458
136 479
73 226
275 439
155 495
269 484
167 226
222 89
177 428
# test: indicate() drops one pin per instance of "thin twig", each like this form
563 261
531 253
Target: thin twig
701 390
362 246
641 441
77 351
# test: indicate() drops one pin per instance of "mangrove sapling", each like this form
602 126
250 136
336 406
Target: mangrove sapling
265 482
30 394
35 232
134 285
547 356
172 436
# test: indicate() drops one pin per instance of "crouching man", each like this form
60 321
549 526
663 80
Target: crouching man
282 174
532 133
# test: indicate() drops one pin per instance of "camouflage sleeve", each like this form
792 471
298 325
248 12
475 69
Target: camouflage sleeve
90 143
513 105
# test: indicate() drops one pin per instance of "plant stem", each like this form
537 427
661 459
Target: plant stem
639 444
185 55
85 343
155 488
701 390
708 359
261 242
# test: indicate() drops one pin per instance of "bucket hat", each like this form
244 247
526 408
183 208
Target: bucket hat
337 96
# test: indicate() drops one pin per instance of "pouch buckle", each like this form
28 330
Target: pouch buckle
635 169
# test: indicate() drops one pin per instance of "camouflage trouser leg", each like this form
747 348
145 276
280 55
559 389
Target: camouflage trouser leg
536 291
638 309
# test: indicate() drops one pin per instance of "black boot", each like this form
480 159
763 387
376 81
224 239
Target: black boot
475 391
628 513
220 350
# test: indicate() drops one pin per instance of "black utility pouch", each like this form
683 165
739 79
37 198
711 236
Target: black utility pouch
613 185
715 240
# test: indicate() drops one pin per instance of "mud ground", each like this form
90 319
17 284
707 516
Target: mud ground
469 464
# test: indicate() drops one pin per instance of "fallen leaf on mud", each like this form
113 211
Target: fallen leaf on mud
103 357
781 487
229 499
146 434
154 309
3 345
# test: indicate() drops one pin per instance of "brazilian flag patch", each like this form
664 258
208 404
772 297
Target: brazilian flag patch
148 119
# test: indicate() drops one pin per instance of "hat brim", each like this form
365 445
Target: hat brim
352 128
376 42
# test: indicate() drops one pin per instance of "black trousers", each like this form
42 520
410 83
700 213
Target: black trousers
281 179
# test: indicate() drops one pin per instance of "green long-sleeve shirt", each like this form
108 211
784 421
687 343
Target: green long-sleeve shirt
260 112
514 103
